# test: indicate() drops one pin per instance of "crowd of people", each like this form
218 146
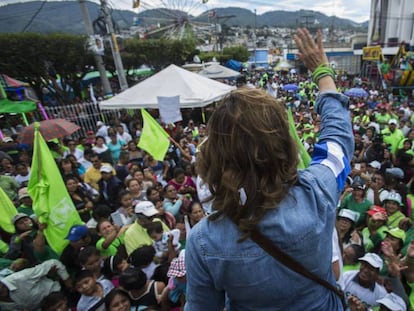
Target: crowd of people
143 218
137 214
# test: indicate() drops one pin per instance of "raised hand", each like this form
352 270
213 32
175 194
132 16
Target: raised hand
310 53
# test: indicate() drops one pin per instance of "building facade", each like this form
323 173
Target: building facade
391 22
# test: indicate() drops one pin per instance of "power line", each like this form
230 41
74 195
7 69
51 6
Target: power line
34 16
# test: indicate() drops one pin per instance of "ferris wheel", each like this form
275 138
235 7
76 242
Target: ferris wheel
175 19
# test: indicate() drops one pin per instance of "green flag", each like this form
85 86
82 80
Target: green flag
7 211
51 201
154 139
304 157
3 94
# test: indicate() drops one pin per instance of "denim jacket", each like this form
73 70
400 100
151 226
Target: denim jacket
219 268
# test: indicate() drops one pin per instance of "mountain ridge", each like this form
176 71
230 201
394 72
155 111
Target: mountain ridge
66 17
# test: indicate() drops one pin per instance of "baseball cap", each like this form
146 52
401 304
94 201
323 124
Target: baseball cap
99 123
348 214
373 259
393 121
77 232
375 209
393 302
90 132
375 164
146 208
18 216
396 233
395 171
106 168
23 193
7 139
393 196
357 184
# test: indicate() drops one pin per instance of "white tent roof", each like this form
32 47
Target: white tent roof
193 89
283 65
217 71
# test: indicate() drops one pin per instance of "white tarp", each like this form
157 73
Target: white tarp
194 90
217 71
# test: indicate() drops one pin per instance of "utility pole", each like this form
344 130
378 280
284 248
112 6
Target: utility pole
254 33
98 58
114 47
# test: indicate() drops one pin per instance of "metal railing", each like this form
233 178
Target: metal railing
83 114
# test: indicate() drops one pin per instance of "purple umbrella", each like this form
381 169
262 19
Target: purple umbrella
356 92
290 87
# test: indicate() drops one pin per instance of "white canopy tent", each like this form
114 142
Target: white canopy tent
194 90
217 71
283 66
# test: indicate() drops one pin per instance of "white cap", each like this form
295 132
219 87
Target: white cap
395 171
373 259
347 213
393 302
146 208
375 164
7 139
99 123
106 168
393 196
393 121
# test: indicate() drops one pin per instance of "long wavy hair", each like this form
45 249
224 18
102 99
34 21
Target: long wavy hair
248 147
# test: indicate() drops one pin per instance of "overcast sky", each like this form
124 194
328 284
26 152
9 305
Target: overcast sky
357 10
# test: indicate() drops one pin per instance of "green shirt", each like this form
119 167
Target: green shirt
361 208
112 248
370 242
137 236
392 138
28 210
409 236
351 267
382 119
394 220
9 185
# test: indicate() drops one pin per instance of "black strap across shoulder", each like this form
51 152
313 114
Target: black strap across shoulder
273 250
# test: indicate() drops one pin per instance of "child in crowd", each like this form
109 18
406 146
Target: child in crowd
113 266
177 281
125 214
26 202
55 301
23 174
142 291
92 292
143 258
162 239
90 259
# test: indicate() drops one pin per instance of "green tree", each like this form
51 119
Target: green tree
237 52
41 60
60 61
157 53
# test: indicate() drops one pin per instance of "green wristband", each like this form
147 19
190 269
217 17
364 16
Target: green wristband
322 71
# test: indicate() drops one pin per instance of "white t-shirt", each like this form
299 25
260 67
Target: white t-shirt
382 195
369 296
337 256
